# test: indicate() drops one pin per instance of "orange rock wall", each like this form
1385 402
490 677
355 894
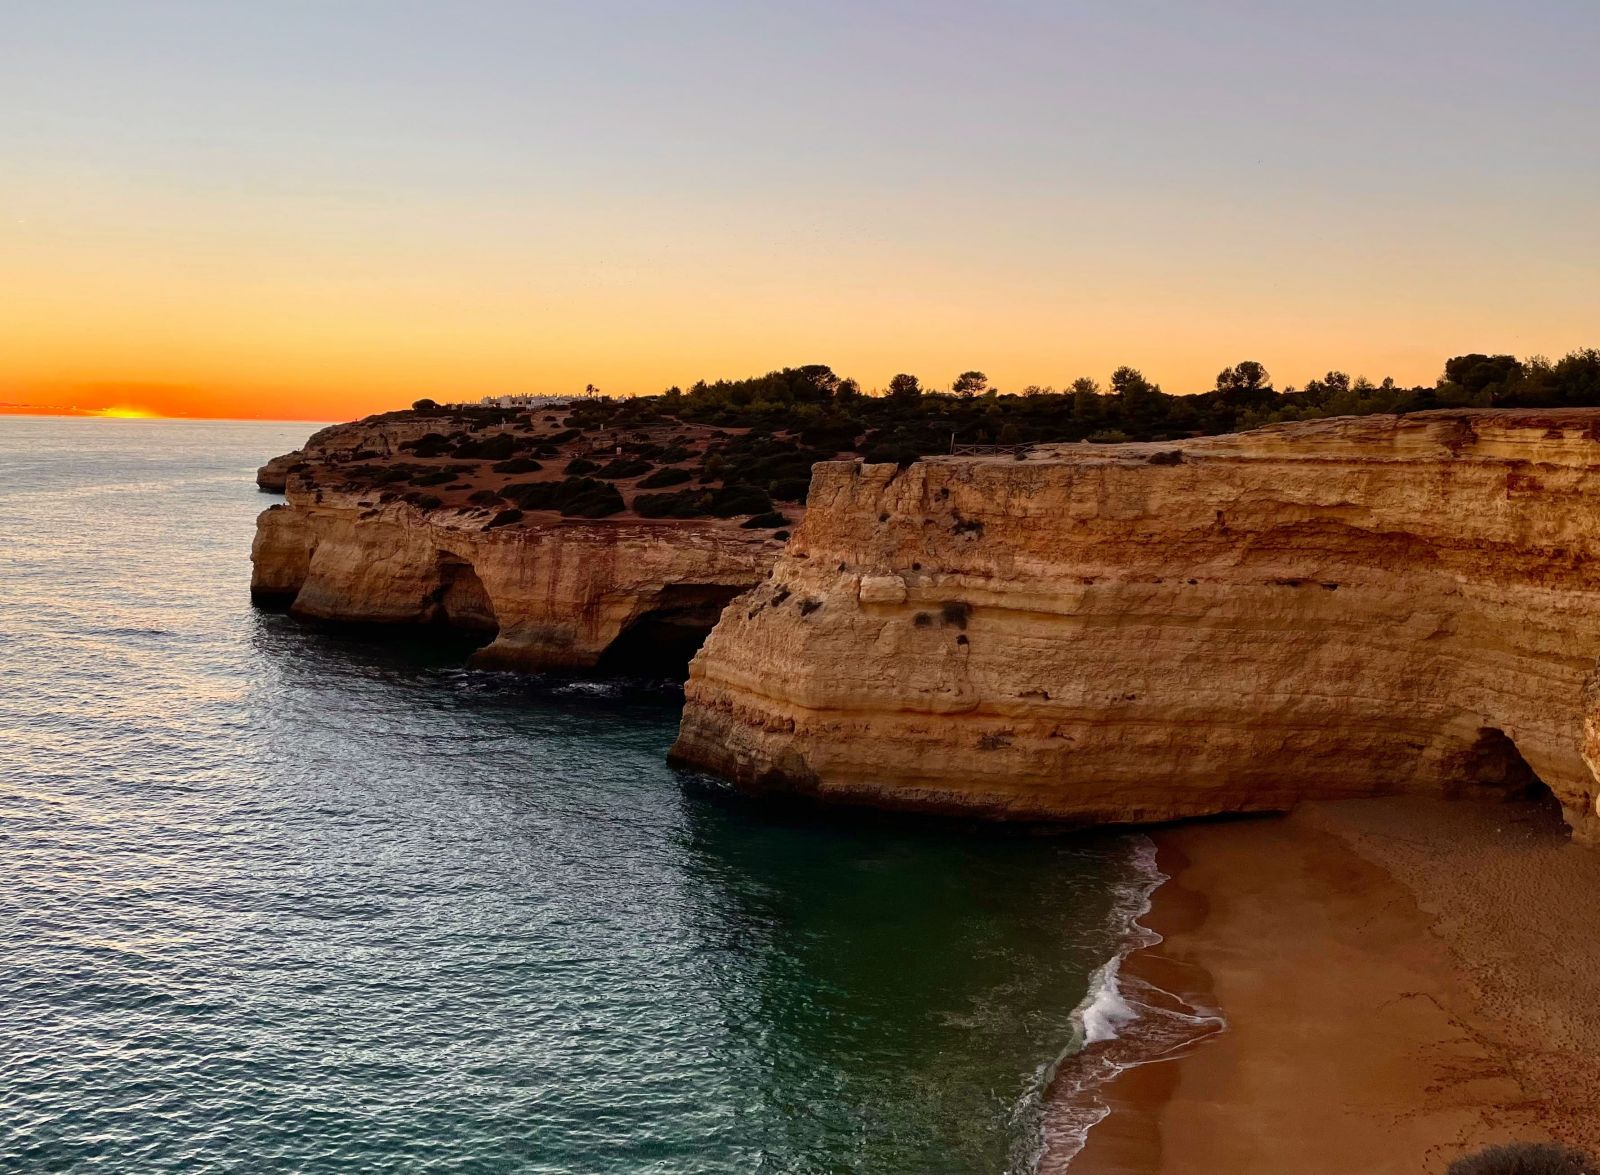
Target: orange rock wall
1144 632
555 595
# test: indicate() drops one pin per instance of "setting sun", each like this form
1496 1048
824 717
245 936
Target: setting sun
128 412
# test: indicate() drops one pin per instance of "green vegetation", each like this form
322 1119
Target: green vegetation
518 465
624 467
575 497
662 478
734 448
737 498
682 504
826 412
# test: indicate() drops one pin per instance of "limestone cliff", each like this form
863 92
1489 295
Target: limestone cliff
1144 632
480 519
554 594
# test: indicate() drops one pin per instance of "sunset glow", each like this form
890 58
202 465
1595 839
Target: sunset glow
636 195
124 412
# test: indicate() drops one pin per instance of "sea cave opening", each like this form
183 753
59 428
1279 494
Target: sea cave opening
1493 768
660 642
460 602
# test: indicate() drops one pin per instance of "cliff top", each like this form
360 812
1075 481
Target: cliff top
490 468
494 468
1420 435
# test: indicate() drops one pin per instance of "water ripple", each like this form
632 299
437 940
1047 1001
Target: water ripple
273 900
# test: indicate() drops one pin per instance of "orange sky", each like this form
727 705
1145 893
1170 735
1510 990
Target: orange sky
243 336
315 212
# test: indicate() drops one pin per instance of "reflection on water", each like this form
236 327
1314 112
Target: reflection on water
899 992
313 901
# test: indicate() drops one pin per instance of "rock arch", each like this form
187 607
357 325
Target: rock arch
460 600
1493 767
662 637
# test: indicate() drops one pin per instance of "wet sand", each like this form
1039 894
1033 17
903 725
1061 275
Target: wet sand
1403 980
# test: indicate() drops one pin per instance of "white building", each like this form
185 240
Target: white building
524 400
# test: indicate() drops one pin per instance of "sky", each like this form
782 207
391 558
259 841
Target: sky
314 209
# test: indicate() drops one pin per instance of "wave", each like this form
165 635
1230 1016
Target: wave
516 683
1123 1021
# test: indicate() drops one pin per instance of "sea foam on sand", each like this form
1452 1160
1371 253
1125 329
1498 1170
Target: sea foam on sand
1123 1021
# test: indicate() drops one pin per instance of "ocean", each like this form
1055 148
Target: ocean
279 899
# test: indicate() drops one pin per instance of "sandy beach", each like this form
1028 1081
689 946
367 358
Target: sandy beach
1403 981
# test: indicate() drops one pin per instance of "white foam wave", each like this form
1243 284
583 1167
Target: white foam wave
1120 1023
599 689
1106 1011
1103 1010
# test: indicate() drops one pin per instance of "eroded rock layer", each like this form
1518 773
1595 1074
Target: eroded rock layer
1146 632
485 520
557 593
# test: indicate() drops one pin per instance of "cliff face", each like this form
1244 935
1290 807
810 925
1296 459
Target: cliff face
1146 632
480 520
562 594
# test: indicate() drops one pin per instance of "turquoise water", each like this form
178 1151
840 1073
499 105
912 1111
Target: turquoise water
279 900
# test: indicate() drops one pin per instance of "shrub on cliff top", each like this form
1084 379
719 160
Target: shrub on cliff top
496 448
836 435
765 521
581 465
681 504
662 478
624 467
790 489
578 497
591 499
379 475
735 499
1526 1158
429 445
517 465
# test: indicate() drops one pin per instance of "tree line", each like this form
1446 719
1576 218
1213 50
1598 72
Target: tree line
908 419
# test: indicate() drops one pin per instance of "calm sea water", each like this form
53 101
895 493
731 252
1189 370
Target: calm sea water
275 900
